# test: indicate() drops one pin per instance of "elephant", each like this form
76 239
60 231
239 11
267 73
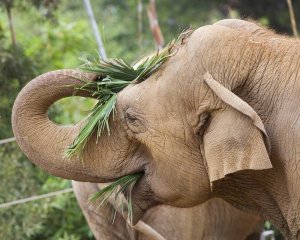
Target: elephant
219 118
213 220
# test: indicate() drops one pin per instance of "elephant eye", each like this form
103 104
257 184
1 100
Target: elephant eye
130 117
133 122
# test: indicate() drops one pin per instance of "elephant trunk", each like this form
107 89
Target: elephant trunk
43 141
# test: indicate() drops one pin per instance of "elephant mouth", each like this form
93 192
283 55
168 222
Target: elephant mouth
143 198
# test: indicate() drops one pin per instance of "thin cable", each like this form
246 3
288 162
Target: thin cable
34 198
7 140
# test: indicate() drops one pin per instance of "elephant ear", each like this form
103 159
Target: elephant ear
236 138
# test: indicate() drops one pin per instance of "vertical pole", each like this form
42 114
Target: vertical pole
154 25
292 17
140 22
95 28
11 25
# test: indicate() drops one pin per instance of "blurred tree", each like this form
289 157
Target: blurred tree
8 5
48 5
271 12
15 70
55 218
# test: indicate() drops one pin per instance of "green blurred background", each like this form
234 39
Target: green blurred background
54 34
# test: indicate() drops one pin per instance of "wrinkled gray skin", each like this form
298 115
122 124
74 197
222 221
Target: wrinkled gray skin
220 118
213 220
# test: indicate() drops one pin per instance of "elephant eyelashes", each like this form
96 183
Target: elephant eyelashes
133 122
130 118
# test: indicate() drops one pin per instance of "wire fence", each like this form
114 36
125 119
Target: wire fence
7 140
34 198
268 234
13 139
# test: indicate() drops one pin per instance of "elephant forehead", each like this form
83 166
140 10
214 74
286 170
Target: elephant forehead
207 37
135 95
151 94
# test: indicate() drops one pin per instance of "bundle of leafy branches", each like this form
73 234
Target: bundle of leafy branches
113 76
112 192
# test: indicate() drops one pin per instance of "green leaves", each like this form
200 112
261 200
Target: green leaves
113 77
98 119
113 190
146 67
116 69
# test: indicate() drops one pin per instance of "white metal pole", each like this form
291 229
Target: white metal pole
95 28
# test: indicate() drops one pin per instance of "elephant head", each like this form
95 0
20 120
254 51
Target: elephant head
184 127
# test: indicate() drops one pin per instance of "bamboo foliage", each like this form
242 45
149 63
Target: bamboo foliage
113 76
114 190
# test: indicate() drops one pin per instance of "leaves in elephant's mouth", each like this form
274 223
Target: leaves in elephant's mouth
113 76
112 193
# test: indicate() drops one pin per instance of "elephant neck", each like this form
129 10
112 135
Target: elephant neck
266 76
259 193
272 90
272 80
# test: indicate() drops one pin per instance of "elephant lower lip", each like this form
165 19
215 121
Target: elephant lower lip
138 213
142 199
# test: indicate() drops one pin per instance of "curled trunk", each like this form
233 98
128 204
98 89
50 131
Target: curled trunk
43 141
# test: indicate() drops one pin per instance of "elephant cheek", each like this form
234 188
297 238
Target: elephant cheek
181 186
